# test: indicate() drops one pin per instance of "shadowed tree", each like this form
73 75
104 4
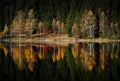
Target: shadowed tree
58 26
62 28
115 30
83 22
75 30
54 26
40 27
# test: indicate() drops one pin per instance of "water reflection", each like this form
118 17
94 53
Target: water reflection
76 59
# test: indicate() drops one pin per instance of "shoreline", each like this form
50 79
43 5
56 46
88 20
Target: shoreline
70 40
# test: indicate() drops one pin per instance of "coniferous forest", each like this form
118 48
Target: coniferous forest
79 18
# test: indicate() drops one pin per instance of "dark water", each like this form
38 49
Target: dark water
46 62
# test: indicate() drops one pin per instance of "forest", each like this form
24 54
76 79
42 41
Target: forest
86 18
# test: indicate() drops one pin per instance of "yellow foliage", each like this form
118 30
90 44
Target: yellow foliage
116 24
88 61
90 67
62 53
53 22
40 55
90 13
62 25
16 54
111 55
102 14
4 31
103 66
17 57
116 55
40 24
58 23
30 66
4 49
73 52
74 28
29 55
53 57
58 56
30 14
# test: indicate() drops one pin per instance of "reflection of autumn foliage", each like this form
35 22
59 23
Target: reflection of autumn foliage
114 55
75 51
40 55
30 57
4 49
23 54
43 51
18 57
88 61
4 31
103 59
58 54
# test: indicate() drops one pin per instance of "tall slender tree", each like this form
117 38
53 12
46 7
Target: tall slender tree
18 23
30 23
54 26
58 26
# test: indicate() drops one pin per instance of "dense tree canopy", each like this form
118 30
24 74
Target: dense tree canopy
67 11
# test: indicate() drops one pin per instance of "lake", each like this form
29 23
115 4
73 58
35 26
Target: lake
59 62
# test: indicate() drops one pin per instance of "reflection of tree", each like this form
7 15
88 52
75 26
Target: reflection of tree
115 50
75 49
63 69
43 51
4 49
88 57
40 53
103 57
18 57
30 57
58 53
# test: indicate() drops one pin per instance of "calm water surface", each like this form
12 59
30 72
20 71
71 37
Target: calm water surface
73 62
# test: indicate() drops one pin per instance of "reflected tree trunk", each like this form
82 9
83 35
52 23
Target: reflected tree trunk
113 46
43 50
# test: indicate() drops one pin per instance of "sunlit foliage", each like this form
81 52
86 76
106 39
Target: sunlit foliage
30 23
88 24
18 23
4 31
18 57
